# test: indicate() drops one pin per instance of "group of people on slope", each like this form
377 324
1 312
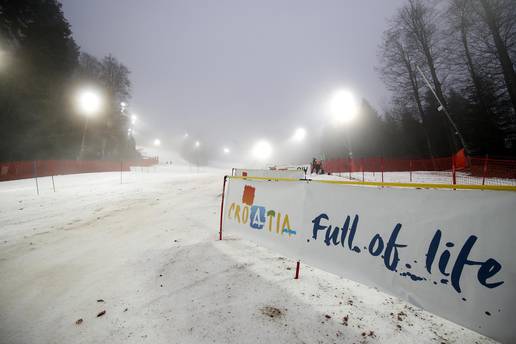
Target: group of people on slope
316 166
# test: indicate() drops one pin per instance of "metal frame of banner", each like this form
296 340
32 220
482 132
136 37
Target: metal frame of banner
384 184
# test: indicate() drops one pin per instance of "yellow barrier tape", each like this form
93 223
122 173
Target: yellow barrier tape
399 185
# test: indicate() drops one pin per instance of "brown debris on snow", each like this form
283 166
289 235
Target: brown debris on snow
368 334
101 313
345 320
271 312
401 315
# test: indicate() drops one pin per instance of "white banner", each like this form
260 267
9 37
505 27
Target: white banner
294 174
449 252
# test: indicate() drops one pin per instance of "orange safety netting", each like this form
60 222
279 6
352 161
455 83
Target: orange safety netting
459 169
43 168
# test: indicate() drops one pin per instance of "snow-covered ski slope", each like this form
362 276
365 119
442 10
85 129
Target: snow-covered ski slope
145 251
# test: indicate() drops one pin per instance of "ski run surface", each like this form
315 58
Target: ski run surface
146 252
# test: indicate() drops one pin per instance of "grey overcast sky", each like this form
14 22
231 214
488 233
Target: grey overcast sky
235 70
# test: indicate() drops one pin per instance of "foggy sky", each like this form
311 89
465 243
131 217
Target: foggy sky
229 72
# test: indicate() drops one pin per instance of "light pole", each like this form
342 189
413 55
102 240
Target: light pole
197 144
299 146
133 122
262 150
344 109
89 104
299 135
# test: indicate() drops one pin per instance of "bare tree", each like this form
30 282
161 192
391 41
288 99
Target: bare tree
115 76
500 18
467 50
461 19
419 21
398 71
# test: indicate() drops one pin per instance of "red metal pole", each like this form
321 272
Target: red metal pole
350 166
381 163
35 166
454 178
410 170
362 163
222 206
484 173
298 264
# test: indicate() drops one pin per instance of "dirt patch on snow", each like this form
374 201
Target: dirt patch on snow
271 312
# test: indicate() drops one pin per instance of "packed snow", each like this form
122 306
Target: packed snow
135 259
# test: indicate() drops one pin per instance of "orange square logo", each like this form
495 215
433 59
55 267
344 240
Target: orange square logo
248 196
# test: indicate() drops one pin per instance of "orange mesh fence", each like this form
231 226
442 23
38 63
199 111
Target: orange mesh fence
386 165
43 168
458 169
493 168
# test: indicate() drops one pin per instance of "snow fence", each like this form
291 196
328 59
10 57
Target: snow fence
449 252
43 168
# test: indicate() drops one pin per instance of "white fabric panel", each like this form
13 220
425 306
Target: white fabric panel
474 254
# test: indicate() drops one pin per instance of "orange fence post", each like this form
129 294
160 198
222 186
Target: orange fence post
35 165
362 166
454 178
381 166
410 168
484 172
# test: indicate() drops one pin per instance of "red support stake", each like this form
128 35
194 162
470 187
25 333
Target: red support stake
35 168
410 171
362 163
222 206
484 173
381 163
298 264
350 166
454 177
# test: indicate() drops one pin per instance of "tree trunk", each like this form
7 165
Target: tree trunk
417 98
472 72
419 29
503 55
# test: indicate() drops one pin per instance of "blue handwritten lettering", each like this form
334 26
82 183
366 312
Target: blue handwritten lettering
257 217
